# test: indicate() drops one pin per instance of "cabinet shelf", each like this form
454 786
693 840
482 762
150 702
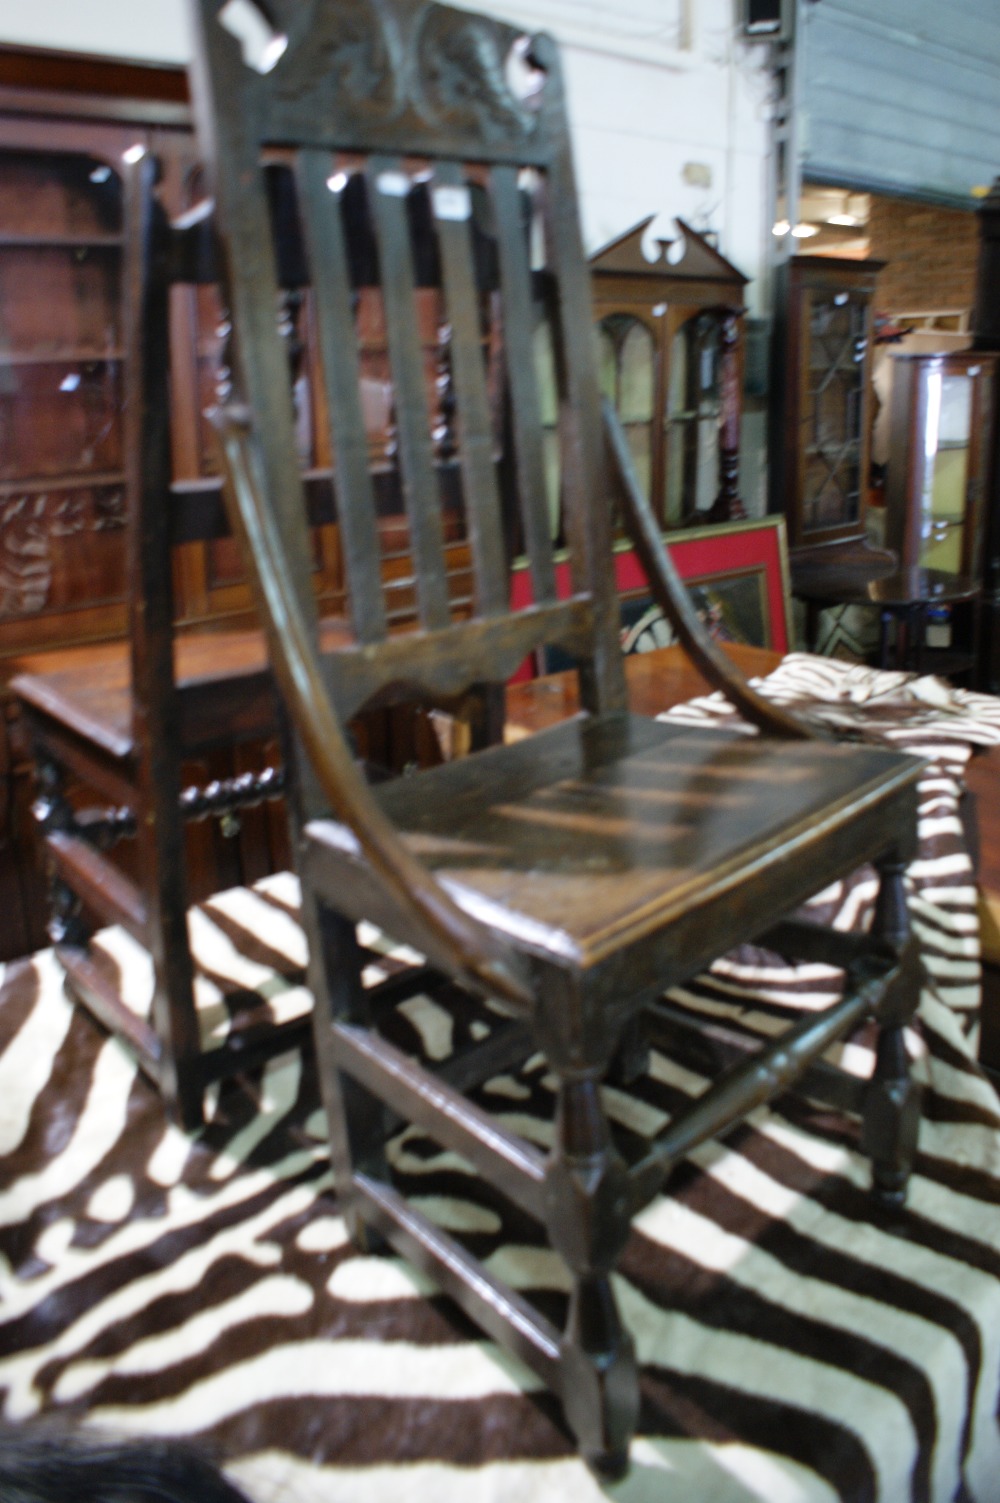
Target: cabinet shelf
61 357
60 242
78 480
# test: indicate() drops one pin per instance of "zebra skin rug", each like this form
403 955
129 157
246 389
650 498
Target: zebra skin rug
798 1345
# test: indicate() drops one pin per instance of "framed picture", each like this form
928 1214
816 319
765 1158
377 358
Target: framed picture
737 575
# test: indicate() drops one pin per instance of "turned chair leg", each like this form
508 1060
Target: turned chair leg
67 923
588 1223
631 1058
355 1119
892 1105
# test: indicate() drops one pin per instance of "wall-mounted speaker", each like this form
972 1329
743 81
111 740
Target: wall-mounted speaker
767 20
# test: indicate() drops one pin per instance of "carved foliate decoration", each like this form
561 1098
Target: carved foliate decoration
461 61
402 62
341 51
29 527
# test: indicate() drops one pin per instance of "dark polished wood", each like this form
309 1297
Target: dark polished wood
905 596
821 417
659 680
570 875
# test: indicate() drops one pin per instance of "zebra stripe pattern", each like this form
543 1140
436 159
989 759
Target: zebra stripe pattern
796 1342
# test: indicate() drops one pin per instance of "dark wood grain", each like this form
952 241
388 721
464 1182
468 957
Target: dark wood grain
335 320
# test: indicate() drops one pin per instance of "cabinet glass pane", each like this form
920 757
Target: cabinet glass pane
946 453
693 416
628 373
58 195
57 419
62 505
832 411
57 301
548 398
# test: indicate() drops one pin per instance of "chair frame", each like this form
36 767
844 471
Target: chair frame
171 714
408 79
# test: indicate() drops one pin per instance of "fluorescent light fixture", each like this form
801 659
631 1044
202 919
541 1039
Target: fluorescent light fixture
337 182
70 382
851 221
804 231
134 153
780 227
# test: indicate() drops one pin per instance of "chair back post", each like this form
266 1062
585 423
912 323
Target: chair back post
156 729
146 421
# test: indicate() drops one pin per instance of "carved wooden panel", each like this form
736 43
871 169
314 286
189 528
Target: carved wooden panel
406 74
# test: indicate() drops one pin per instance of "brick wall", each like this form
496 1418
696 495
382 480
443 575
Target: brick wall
931 254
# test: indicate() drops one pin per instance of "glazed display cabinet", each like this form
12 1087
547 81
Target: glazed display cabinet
937 482
821 398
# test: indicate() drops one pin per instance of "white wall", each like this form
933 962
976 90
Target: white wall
154 30
659 91
653 85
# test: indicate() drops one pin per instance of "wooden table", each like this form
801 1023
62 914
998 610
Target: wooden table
657 680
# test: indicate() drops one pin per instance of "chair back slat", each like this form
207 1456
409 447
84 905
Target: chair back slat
334 312
525 405
476 442
388 187
416 104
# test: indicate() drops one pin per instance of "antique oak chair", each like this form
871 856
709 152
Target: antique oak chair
568 878
118 722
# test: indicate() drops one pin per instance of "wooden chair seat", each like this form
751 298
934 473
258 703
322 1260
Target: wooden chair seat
588 843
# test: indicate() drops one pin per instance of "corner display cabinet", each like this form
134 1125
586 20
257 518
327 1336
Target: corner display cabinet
821 405
671 363
940 430
938 482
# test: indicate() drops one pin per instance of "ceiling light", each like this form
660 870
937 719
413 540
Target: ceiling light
135 153
805 231
850 220
780 227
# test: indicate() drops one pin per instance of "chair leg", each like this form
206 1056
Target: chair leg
631 1058
163 867
355 1119
588 1223
67 923
892 1104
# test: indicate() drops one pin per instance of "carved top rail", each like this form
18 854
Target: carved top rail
403 76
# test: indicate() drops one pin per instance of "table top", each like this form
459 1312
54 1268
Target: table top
656 681
904 588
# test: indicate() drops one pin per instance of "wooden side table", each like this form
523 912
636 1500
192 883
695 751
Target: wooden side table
905 598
